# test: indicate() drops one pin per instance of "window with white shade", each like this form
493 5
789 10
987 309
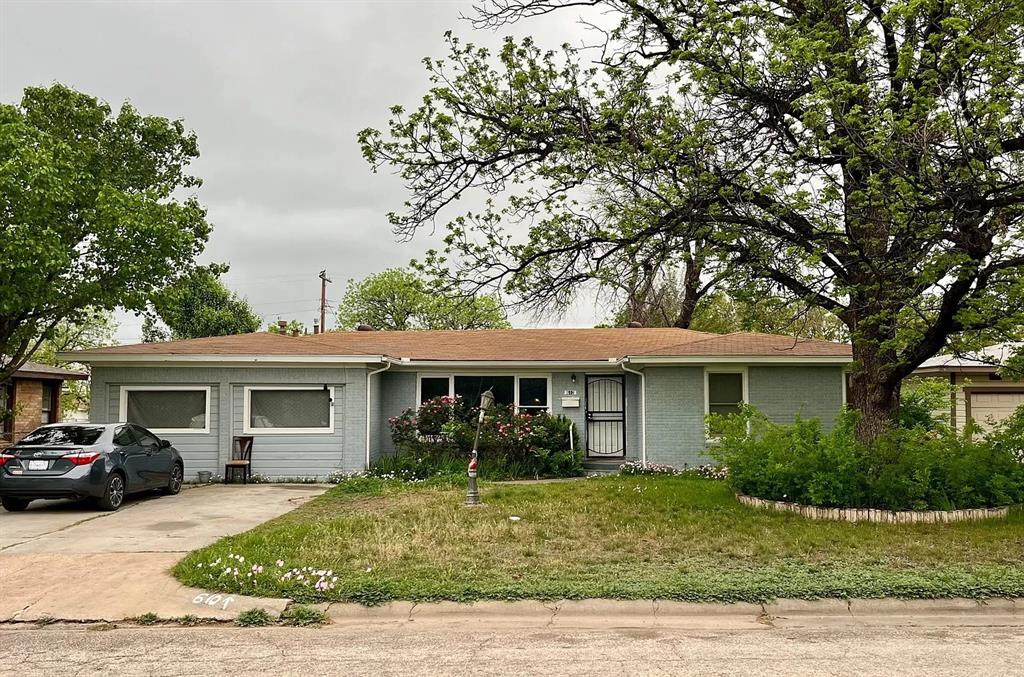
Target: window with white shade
289 410
167 409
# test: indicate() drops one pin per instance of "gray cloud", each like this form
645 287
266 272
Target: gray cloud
277 92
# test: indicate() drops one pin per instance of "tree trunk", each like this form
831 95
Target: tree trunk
691 292
874 392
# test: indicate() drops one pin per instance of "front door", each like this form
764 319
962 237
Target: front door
606 416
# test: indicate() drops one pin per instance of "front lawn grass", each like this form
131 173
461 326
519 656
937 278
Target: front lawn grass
611 537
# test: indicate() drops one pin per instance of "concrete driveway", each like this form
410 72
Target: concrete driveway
111 566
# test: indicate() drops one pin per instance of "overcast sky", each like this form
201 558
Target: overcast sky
277 92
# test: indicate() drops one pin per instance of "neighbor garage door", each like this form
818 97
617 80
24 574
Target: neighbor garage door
987 408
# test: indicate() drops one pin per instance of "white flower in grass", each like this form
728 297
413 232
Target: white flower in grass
280 563
227 570
369 569
199 566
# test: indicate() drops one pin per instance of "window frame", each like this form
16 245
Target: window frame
7 422
515 385
49 396
745 392
123 406
247 412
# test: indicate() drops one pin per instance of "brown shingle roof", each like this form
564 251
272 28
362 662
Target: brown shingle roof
44 371
495 345
751 344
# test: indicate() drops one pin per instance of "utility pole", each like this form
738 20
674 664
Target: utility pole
323 299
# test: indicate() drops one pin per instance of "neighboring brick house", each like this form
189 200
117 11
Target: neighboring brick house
320 403
31 398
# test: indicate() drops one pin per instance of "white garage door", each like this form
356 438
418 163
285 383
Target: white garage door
988 408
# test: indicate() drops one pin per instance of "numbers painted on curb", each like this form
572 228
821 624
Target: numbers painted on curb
213 600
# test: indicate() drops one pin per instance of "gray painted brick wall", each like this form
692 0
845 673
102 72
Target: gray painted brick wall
275 455
396 394
782 392
675 410
675 416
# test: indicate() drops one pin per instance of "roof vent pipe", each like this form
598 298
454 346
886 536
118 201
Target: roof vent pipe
364 327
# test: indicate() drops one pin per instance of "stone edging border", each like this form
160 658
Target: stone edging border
875 514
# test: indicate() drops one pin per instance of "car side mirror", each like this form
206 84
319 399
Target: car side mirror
165 444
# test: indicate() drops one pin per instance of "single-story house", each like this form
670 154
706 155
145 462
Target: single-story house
320 403
977 391
30 398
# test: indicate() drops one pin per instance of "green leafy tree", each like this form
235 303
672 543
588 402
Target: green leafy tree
860 158
290 328
196 305
96 328
91 216
400 300
722 312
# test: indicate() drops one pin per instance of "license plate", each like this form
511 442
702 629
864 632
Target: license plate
38 465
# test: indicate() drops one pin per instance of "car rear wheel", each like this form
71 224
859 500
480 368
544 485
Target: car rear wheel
174 483
113 494
14 504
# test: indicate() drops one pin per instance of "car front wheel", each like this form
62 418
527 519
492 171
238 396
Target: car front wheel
174 483
113 494
14 504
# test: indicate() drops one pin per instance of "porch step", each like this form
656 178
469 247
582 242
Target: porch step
603 466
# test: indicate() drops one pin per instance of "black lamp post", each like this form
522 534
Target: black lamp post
472 494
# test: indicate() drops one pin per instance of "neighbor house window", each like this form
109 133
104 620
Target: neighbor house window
167 409
48 407
725 394
525 393
289 410
6 410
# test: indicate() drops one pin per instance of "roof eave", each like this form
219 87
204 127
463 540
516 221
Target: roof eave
50 376
740 359
254 358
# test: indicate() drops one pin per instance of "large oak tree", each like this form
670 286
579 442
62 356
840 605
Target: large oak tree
862 156
397 299
92 213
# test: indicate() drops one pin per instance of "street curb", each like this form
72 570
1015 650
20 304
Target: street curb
650 613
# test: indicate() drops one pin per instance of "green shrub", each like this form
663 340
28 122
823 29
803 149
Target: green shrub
920 400
511 444
904 469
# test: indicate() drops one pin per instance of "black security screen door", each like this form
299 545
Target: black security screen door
606 417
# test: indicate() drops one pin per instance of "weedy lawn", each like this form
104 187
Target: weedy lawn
372 541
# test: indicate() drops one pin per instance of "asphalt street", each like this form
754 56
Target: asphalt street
441 649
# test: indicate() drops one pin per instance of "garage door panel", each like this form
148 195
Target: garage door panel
988 409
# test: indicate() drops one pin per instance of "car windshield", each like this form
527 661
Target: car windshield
64 434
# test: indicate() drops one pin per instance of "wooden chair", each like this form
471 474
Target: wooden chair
241 458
